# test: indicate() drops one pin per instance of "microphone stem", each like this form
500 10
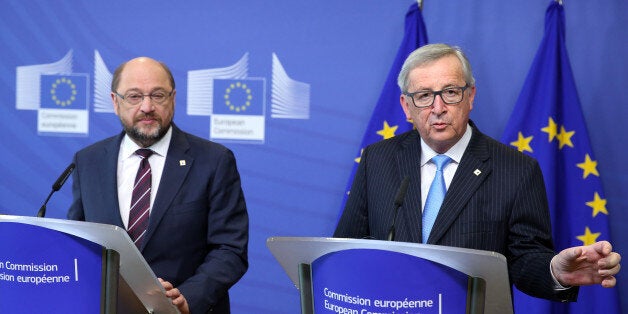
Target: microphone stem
42 210
391 234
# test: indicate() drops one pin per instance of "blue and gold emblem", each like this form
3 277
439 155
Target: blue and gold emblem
64 91
239 96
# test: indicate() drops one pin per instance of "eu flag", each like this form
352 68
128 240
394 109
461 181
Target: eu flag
388 118
63 91
239 96
547 123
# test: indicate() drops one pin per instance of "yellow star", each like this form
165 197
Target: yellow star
551 129
522 143
564 137
589 166
388 131
588 237
357 160
598 204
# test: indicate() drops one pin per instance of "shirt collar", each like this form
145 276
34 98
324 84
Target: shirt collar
128 146
455 152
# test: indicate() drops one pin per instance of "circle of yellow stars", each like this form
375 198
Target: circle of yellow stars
57 84
234 107
588 166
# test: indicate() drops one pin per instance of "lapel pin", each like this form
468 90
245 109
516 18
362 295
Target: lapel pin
477 172
181 162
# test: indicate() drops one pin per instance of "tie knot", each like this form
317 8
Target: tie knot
440 161
144 152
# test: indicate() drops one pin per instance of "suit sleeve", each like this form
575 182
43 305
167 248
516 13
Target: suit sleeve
227 238
530 243
354 221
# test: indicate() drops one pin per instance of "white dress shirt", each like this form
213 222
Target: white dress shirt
129 162
428 168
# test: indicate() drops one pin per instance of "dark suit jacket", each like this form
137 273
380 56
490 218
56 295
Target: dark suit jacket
496 202
198 230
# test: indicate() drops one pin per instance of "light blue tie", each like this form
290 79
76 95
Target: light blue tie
435 196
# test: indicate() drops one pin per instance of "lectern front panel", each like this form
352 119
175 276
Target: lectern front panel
47 271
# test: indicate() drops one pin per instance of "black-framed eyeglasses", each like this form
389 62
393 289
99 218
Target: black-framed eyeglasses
134 98
450 95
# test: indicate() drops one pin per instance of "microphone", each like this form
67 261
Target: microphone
55 187
401 194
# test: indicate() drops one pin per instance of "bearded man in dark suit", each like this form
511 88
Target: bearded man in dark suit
196 234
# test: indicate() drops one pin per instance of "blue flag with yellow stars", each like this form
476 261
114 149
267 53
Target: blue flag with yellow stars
388 118
64 91
547 123
239 96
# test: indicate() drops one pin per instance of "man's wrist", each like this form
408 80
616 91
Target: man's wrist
557 285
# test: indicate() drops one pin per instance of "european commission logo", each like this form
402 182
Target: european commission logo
64 91
63 104
237 105
239 97
238 111
59 96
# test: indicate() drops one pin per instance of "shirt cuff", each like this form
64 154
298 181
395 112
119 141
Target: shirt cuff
557 285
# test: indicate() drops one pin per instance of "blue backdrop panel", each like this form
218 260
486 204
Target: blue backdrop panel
322 64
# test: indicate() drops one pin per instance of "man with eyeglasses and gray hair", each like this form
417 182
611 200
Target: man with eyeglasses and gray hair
465 189
178 196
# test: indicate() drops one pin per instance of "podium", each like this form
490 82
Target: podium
367 276
56 265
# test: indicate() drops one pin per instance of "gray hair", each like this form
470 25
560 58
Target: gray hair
430 53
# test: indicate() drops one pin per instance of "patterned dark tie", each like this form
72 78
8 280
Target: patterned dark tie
435 196
140 200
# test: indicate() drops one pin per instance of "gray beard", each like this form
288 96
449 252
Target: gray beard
142 139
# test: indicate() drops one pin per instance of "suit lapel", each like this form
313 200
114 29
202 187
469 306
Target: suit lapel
107 171
176 168
473 169
408 160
